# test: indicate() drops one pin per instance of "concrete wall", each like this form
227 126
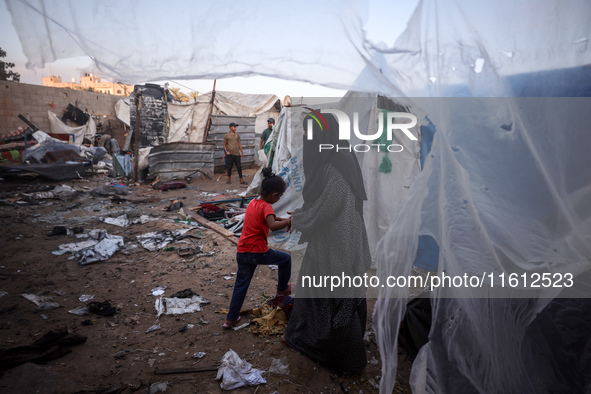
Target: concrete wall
33 101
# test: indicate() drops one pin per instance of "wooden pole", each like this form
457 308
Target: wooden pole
208 125
31 125
136 162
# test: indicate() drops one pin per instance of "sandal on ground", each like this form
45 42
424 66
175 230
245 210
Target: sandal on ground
230 324
228 182
242 182
278 299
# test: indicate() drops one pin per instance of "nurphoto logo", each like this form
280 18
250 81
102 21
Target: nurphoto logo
344 131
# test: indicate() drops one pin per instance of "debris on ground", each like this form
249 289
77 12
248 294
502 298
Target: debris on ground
179 306
85 297
172 185
157 387
43 303
62 230
236 372
119 221
118 346
101 246
175 206
154 327
102 308
279 366
157 240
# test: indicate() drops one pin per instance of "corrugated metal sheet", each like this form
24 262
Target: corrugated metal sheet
246 130
177 160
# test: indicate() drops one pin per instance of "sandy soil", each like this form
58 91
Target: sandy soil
119 356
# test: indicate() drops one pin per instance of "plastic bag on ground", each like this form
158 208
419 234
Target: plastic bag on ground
236 372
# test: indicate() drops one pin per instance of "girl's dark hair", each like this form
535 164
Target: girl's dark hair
271 183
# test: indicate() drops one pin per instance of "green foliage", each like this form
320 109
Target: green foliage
5 73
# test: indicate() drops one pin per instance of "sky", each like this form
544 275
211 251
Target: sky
386 20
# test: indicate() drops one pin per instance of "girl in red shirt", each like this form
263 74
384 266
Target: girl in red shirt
252 246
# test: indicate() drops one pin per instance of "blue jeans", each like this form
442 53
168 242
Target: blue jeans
247 264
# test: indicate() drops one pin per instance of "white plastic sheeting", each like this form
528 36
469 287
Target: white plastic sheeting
77 134
497 200
122 110
225 39
188 121
385 190
470 44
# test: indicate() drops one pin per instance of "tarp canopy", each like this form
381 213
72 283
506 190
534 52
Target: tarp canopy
505 188
445 43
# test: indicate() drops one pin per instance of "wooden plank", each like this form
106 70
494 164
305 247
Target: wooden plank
184 370
213 226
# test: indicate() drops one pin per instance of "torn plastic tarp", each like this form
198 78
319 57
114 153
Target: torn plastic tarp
334 59
123 220
159 239
279 366
119 221
52 171
236 372
188 120
122 111
100 248
179 306
102 251
36 153
80 311
77 133
44 303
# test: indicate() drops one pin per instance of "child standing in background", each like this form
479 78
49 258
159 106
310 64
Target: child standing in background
252 246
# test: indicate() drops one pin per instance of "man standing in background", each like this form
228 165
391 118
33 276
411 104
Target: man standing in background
265 135
234 153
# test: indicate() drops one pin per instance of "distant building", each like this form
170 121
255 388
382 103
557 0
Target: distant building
87 82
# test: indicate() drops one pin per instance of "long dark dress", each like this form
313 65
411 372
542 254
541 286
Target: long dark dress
331 330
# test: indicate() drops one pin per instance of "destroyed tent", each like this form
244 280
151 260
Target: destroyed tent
503 189
179 131
76 135
188 121
53 159
387 175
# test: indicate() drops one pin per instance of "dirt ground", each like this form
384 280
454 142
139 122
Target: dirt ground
118 355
